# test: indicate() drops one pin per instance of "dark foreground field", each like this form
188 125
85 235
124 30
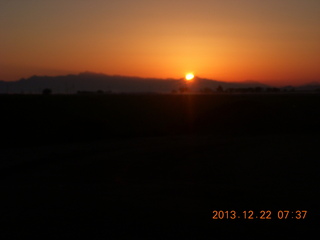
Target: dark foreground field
157 166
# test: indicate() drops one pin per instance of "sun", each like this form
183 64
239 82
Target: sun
189 76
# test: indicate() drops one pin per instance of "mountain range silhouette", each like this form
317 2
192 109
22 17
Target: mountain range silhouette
89 81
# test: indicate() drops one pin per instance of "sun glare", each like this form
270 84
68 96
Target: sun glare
189 76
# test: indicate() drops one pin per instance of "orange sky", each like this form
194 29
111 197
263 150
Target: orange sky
275 42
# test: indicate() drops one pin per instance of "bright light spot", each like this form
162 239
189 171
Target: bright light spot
189 76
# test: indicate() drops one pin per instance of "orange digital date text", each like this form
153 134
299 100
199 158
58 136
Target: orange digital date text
262 214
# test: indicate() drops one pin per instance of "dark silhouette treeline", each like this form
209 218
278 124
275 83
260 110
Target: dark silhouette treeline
220 89
205 90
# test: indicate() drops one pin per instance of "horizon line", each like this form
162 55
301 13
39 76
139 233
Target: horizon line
315 82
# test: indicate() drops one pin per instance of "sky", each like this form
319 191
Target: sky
275 42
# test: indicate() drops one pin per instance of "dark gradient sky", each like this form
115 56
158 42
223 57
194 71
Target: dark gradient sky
274 41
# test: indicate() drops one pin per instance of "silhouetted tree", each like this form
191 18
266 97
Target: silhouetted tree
46 91
219 89
206 90
273 89
183 89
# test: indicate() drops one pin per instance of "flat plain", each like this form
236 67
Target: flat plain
146 166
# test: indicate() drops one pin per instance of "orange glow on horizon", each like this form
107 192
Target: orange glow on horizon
240 42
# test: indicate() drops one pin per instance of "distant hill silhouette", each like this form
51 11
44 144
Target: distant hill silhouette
93 82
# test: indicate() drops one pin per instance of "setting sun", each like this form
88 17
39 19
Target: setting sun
189 76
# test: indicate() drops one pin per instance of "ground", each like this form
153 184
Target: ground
156 167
